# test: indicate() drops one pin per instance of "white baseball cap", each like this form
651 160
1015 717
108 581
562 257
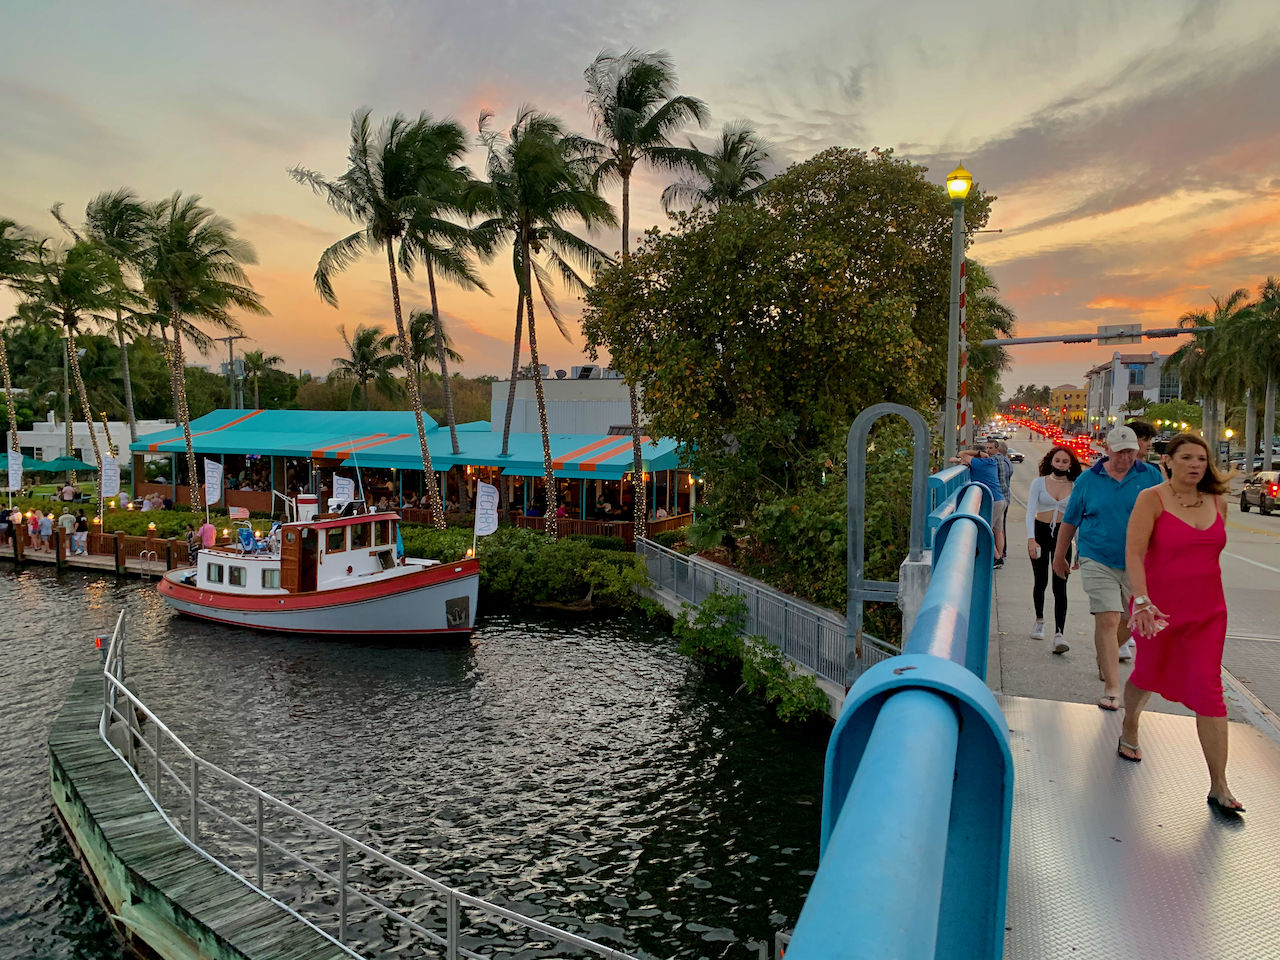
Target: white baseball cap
1122 438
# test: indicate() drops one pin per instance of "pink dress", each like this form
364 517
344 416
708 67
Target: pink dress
1183 662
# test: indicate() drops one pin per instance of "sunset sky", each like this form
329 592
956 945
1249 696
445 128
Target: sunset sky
1134 146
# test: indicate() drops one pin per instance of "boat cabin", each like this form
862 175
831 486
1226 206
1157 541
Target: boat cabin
321 553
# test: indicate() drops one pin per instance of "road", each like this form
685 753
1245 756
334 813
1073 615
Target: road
1251 577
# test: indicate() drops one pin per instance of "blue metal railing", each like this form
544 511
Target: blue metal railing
942 488
918 793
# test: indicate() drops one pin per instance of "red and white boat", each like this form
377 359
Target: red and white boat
335 573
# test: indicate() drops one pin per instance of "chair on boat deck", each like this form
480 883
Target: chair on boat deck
248 543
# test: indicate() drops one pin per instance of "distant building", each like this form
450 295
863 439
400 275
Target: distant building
1124 378
47 439
585 403
1067 404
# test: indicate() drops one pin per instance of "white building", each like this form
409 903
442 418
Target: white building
47 439
1126 377
588 400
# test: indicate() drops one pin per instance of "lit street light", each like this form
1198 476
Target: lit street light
958 183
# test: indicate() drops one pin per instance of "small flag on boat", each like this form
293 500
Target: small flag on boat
238 513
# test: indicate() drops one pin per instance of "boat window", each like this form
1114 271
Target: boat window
385 559
236 576
359 536
214 572
381 533
336 540
270 579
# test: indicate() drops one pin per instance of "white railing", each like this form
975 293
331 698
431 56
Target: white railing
811 636
258 841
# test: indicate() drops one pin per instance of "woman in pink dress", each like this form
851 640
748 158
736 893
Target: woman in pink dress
1179 615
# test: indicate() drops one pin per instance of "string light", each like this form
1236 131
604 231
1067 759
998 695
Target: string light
8 397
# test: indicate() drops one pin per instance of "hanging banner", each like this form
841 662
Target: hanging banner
212 482
110 477
344 489
15 471
486 508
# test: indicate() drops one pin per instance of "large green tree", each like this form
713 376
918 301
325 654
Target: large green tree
758 332
1210 369
15 250
393 172
635 111
538 181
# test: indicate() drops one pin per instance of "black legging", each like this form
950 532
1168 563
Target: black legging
1047 538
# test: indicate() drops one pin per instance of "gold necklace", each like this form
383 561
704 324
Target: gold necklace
1187 506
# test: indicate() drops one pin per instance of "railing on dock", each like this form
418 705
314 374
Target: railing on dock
809 635
921 740
256 836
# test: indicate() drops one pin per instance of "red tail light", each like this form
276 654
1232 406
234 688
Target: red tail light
1275 489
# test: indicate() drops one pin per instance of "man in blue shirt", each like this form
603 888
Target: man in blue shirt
1098 517
985 470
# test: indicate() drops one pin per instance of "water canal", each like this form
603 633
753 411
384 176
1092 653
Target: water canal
582 772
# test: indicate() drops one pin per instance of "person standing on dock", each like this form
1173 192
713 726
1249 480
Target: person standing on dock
67 524
80 538
1098 516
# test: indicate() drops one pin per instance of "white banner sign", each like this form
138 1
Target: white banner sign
344 488
110 477
212 482
486 508
15 471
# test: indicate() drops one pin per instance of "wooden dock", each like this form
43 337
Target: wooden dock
165 897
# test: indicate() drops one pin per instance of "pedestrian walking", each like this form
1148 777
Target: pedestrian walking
1097 516
1176 534
1046 504
1146 433
984 470
80 538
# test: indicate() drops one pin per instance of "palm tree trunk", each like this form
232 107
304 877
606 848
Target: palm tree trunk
1250 429
88 415
415 398
8 396
639 498
551 498
444 360
1269 421
184 418
515 372
66 402
256 404
128 382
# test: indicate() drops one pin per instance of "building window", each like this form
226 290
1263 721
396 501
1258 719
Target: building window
236 577
270 579
335 540
1137 374
1170 384
214 572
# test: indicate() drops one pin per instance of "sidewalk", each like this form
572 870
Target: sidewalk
1021 667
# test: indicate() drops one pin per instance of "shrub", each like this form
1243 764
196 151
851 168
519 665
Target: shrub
613 581
600 542
712 632
795 696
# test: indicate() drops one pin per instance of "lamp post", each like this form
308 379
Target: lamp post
958 183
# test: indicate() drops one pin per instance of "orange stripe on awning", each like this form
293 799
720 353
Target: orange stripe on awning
153 448
559 464
342 455
589 466
321 453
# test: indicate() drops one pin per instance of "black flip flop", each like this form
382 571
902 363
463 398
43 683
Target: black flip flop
1115 703
1219 807
1121 747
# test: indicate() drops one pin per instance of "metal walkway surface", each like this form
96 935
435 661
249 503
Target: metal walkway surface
1126 860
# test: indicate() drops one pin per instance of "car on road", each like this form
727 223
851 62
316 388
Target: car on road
1262 490
1015 456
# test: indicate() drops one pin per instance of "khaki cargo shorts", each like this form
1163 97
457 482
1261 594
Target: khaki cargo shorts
1106 587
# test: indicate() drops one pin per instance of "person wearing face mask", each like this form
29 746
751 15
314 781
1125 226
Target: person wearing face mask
1046 503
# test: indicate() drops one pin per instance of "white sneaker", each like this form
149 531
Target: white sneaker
1127 650
1060 644
1037 632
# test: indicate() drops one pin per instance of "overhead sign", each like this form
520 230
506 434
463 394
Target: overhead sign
1120 333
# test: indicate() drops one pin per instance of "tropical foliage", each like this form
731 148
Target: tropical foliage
371 359
733 172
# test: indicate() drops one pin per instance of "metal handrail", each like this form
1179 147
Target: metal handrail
116 694
778 617
921 735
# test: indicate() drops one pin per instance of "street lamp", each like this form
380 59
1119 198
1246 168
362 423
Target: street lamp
959 181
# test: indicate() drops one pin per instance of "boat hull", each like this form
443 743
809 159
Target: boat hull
439 600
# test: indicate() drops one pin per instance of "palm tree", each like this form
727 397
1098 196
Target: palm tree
371 358
1206 364
67 286
635 111
426 334
15 263
538 178
192 270
733 172
988 317
255 365
117 221
392 173
1267 324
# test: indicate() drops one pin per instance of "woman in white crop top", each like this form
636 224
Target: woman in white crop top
1046 503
